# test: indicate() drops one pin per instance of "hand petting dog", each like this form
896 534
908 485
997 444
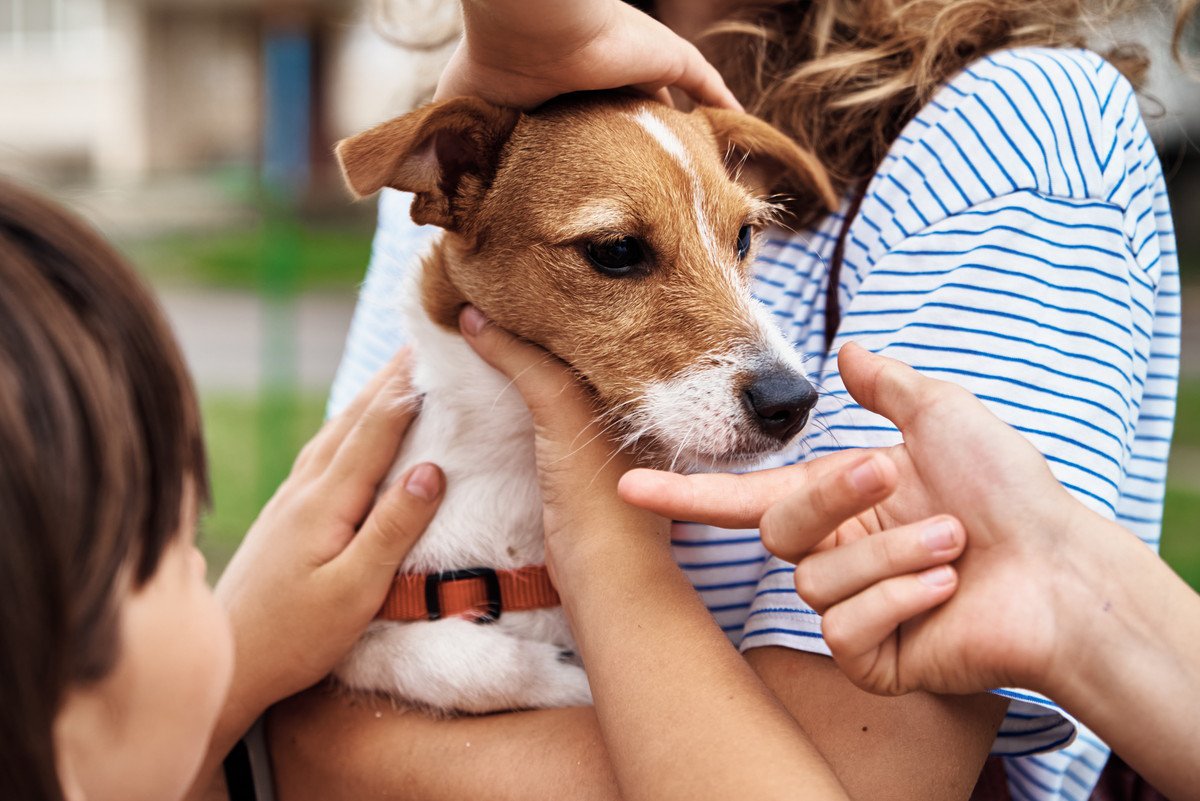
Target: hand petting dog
313 570
526 53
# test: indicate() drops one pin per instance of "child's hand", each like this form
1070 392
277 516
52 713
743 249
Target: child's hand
316 565
521 54
874 537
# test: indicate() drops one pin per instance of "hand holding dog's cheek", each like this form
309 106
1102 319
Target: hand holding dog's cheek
578 465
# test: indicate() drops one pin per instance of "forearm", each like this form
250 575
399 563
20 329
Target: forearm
884 748
1132 663
667 682
364 748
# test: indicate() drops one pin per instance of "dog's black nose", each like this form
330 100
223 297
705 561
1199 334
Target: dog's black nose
779 401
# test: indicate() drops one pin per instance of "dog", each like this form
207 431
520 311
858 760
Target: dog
617 233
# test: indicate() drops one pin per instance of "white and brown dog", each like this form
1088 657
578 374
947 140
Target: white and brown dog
618 234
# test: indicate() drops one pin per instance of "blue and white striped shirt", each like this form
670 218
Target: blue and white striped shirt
1016 240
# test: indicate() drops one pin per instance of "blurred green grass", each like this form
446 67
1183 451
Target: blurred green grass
233 429
233 432
1181 519
328 254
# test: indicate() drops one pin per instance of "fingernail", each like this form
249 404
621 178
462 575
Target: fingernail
472 320
939 535
423 482
937 576
867 478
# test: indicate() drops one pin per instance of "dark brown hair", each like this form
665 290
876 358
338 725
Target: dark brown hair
99 443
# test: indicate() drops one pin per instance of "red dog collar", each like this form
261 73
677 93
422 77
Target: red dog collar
479 594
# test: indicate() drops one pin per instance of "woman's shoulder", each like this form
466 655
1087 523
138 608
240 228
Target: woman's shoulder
1052 127
1059 122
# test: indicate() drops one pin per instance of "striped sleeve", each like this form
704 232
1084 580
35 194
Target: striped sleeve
1033 303
1038 307
375 330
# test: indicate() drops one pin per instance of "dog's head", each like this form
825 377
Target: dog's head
616 233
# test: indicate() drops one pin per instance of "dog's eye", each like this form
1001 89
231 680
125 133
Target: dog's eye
616 257
744 236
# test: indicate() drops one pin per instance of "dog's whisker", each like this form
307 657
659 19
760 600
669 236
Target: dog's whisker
517 377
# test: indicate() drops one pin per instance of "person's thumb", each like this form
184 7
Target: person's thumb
884 386
546 383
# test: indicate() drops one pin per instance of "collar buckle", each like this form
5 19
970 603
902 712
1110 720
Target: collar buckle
491 584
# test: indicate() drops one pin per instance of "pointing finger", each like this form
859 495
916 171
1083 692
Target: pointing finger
794 525
724 499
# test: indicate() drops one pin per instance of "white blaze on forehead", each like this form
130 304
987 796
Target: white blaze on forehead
665 136
674 146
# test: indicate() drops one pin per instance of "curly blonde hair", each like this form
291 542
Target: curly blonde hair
843 77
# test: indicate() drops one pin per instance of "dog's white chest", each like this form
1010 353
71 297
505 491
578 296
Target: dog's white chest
477 429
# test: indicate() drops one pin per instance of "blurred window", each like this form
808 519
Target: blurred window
46 24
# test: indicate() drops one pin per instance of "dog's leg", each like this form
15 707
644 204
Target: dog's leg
457 665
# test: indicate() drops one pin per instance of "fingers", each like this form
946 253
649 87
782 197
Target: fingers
724 499
542 379
796 524
368 450
829 577
400 516
855 629
701 81
656 91
319 452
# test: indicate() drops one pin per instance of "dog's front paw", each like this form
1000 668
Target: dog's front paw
566 684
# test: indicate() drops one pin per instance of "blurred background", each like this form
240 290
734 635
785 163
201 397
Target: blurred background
197 135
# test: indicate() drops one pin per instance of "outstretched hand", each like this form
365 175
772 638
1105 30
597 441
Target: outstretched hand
523 53
880 534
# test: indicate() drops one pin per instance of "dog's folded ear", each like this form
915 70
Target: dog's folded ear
445 153
748 142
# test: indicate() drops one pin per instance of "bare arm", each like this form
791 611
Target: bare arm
914 746
1129 665
329 746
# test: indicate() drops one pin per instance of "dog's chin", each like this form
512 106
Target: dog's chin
670 456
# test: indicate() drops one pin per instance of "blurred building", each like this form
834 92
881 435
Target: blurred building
124 89
120 90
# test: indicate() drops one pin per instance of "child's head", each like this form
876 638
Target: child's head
115 656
